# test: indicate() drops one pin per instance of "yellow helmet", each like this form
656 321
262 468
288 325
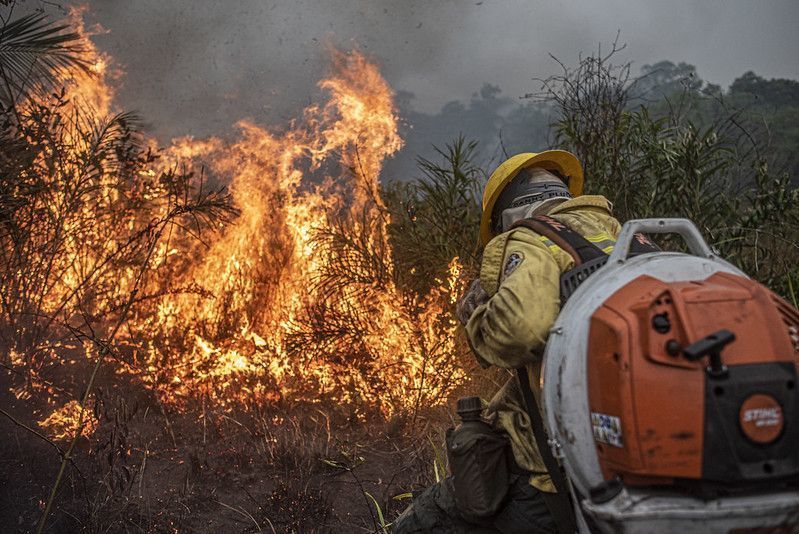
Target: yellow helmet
561 161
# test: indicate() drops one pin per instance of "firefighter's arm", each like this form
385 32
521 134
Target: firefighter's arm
522 279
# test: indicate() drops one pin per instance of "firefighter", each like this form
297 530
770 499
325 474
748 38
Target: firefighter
507 315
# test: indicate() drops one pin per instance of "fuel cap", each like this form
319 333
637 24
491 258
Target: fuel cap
761 418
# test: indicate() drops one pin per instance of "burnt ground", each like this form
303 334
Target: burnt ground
148 468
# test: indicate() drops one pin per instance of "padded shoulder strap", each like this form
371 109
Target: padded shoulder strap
574 244
578 247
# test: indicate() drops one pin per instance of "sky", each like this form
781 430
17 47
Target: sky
195 67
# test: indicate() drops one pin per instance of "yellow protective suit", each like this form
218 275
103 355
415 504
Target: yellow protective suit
521 274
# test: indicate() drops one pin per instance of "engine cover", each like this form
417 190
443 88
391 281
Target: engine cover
660 418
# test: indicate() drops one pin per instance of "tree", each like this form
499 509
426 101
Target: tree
34 54
714 171
436 218
665 79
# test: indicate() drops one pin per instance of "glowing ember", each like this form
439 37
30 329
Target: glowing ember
66 421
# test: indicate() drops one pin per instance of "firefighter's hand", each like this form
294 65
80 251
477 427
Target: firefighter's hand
471 299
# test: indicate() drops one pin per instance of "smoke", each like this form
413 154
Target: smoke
197 66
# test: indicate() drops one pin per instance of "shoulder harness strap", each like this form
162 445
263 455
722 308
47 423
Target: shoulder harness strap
558 504
588 258
575 245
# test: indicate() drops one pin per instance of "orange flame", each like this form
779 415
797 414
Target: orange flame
260 327
66 421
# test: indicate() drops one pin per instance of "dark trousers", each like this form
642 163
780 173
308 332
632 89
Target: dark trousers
434 511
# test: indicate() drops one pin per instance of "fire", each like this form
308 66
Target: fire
266 270
93 90
297 297
68 420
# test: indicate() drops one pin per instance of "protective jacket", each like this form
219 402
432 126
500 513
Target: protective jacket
521 273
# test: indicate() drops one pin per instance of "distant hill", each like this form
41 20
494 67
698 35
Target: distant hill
502 124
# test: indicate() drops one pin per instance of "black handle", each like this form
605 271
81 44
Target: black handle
711 346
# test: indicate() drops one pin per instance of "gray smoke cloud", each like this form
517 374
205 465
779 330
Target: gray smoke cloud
197 66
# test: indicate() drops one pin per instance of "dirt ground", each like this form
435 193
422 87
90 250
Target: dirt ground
148 468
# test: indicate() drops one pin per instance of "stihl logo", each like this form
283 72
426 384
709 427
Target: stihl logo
763 416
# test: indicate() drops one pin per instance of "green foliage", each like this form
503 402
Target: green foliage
763 111
437 217
664 78
678 162
772 107
777 92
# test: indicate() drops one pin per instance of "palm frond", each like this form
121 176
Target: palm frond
35 53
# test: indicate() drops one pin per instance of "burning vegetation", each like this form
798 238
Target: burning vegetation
237 271
296 297
245 278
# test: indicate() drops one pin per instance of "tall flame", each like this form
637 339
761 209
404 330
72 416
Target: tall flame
297 297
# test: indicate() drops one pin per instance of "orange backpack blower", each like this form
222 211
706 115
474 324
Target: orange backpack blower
670 393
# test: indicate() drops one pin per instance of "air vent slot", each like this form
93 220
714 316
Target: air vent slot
790 316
